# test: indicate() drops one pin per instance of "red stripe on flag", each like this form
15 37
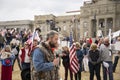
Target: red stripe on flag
74 64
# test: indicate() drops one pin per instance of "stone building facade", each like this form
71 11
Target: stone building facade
63 24
99 15
94 16
18 24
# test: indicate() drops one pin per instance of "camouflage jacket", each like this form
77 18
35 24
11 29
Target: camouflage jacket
49 57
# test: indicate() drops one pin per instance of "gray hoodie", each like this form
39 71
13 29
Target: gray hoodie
106 52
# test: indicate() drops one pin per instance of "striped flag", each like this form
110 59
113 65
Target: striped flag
34 36
30 40
74 64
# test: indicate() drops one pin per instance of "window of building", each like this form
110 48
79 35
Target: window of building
109 22
101 23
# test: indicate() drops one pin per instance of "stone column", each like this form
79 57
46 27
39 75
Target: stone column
97 24
90 28
113 27
81 28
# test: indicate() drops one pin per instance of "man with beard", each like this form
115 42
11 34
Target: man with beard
44 60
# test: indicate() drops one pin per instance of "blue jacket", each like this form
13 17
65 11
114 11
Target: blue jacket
79 55
80 58
39 61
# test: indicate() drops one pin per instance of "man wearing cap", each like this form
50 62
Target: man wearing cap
44 61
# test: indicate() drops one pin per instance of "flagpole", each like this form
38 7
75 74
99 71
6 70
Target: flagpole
110 38
70 37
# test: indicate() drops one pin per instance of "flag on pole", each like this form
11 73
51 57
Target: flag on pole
71 39
30 40
34 36
74 64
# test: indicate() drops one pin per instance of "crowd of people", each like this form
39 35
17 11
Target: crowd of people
40 60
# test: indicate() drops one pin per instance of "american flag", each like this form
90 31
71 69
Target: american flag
34 36
30 40
74 64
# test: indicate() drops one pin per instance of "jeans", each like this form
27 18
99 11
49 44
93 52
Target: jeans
1 45
110 71
66 67
115 63
94 68
78 75
25 66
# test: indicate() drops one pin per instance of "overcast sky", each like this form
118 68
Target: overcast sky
26 9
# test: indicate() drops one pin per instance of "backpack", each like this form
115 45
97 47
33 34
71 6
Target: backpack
94 56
